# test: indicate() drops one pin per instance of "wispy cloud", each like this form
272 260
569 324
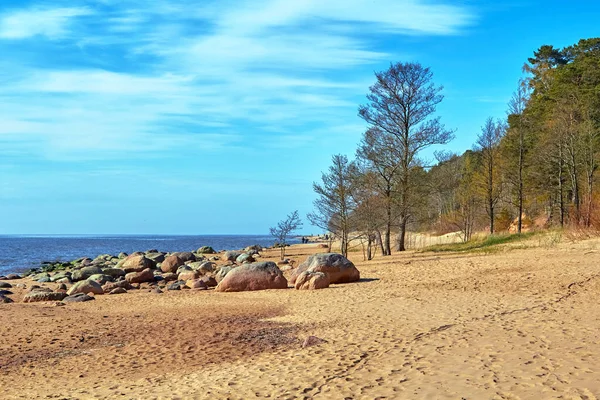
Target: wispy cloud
53 23
131 77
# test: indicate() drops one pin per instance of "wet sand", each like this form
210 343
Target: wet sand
518 324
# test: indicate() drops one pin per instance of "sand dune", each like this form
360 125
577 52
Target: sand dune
521 324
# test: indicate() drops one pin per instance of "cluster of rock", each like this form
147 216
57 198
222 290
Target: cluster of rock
232 271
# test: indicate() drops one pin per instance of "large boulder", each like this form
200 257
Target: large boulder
84 273
254 249
255 276
336 266
206 250
139 277
36 296
171 263
136 263
310 280
85 287
232 255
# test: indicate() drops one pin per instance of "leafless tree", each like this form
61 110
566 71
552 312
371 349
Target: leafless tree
284 229
400 109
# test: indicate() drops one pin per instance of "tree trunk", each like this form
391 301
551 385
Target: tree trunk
380 242
520 217
402 235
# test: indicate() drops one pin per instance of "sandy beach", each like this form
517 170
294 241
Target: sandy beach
514 324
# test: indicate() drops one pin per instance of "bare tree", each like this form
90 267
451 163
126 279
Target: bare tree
284 229
334 204
400 107
488 142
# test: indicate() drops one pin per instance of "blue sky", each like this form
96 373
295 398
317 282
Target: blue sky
192 117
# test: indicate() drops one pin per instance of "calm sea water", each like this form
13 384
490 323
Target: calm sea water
19 253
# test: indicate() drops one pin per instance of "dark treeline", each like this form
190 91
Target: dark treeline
534 167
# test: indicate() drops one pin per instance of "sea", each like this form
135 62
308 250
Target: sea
19 253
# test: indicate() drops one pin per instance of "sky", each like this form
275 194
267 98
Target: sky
215 117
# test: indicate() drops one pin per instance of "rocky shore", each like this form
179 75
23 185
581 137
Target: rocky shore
155 271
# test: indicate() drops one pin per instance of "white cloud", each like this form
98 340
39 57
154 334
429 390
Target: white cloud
175 74
52 23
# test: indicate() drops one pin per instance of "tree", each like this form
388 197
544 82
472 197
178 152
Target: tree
335 204
284 229
488 143
516 111
400 109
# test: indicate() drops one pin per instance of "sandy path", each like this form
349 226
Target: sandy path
522 324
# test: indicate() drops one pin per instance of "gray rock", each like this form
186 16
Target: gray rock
101 278
178 285
244 258
85 273
5 285
5 300
231 255
223 271
37 296
114 272
85 287
118 290
77 298
206 250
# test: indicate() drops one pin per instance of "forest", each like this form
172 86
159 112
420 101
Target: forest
533 168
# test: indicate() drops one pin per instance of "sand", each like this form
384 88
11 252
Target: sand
515 324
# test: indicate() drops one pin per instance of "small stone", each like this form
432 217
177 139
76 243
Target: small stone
118 290
78 298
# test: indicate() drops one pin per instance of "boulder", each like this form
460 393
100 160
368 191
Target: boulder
223 271
114 272
60 275
196 284
338 267
255 276
188 275
206 250
171 263
232 255
178 285
77 298
244 258
207 267
138 277
4 292
185 256
169 277
85 287
118 290
310 280
110 286
254 249
209 281
5 285
136 263
35 296
5 300
156 257
84 273
101 278
122 255
12 276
